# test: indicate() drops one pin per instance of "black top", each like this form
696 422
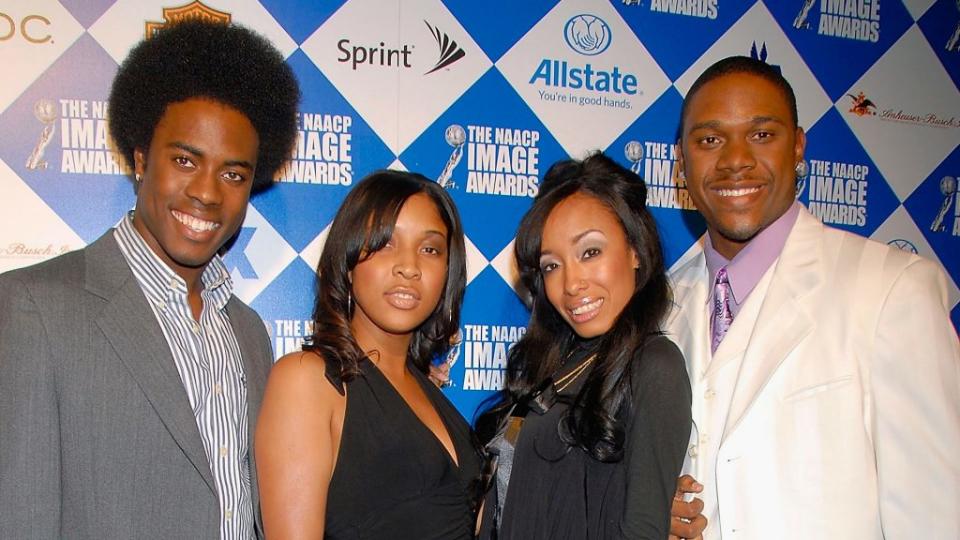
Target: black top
393 478
560 492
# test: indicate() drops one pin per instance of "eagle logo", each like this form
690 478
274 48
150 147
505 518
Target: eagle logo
862 106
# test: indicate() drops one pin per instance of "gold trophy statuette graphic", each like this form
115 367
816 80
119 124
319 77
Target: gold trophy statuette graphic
455 136
634 153
46 112
948 186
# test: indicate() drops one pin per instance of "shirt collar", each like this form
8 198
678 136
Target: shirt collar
749 265
158 280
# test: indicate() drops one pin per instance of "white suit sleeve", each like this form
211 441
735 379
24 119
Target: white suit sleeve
915 378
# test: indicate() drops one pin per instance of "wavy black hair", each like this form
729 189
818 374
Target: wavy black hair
741 64
228 64
594 422
363 226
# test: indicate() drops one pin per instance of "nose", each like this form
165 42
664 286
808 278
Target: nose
573 279
205 188
406 265
736 156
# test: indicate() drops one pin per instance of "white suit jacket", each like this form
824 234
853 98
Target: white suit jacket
844 420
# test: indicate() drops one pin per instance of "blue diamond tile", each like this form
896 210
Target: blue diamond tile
824 32
845 188
74 90
493 173
693 28
327 162
667 198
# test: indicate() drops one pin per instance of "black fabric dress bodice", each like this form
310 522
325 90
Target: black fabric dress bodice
393 478
559 492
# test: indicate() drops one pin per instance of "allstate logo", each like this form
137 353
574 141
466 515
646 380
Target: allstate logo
903 245
587 34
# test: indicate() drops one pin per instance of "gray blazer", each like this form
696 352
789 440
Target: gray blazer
97 437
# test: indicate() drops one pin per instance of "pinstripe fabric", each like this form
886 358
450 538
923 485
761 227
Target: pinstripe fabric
208 359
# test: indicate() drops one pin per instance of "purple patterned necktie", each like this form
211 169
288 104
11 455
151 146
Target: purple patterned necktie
722 316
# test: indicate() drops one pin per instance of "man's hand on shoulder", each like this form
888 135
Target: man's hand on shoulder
686 520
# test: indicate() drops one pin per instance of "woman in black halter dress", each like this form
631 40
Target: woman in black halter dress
353 440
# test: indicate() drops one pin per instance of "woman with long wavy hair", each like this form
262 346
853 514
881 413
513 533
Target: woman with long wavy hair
353 440
595 416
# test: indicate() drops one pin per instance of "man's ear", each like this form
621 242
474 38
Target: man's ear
139 162
799 145
680 160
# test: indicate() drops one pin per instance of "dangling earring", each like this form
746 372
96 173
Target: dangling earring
801 169
800 184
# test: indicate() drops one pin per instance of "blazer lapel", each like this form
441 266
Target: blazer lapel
130 326
257 360
784 318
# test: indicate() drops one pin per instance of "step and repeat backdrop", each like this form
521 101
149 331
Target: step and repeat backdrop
483 97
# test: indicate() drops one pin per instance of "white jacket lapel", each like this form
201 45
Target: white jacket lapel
785 317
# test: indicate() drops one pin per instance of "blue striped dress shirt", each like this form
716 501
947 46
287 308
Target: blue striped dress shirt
208 359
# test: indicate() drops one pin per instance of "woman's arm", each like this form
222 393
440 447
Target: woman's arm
297 438
657 439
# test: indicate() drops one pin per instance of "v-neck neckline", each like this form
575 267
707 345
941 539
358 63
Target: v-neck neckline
455 461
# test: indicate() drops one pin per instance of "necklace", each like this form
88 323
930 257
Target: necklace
562 383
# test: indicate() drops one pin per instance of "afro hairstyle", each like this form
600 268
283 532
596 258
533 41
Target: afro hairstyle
228 64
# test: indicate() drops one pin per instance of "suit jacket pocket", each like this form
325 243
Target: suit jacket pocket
809 391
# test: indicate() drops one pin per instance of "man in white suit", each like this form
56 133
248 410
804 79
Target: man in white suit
825 369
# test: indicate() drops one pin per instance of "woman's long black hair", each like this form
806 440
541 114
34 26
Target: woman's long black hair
363 226
593 422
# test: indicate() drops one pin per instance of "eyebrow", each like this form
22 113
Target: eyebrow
575 239
199 153
715 124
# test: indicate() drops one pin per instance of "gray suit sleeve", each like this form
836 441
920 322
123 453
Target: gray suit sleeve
657 439
29 420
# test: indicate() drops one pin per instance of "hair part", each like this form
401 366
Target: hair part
741 65
363 225
594 421
228 64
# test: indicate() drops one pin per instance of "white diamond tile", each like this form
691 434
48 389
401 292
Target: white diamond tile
907 82
36 34
758 26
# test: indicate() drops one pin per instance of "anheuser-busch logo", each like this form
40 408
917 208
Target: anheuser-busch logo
192 11
862 106
21 249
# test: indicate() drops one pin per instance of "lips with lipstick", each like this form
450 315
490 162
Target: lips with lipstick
195 224
586 310
402 297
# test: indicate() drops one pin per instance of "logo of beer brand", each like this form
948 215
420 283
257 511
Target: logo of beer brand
862 106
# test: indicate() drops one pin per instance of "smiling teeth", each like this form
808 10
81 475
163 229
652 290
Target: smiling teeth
587 307
737 192
405 296
195 224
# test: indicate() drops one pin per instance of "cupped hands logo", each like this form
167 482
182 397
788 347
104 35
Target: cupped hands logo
587 34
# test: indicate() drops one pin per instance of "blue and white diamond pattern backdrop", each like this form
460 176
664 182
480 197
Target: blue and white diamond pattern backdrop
484 96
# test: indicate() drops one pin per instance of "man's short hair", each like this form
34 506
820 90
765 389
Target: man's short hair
741 64
229 64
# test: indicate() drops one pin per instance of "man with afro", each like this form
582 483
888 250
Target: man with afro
130 375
